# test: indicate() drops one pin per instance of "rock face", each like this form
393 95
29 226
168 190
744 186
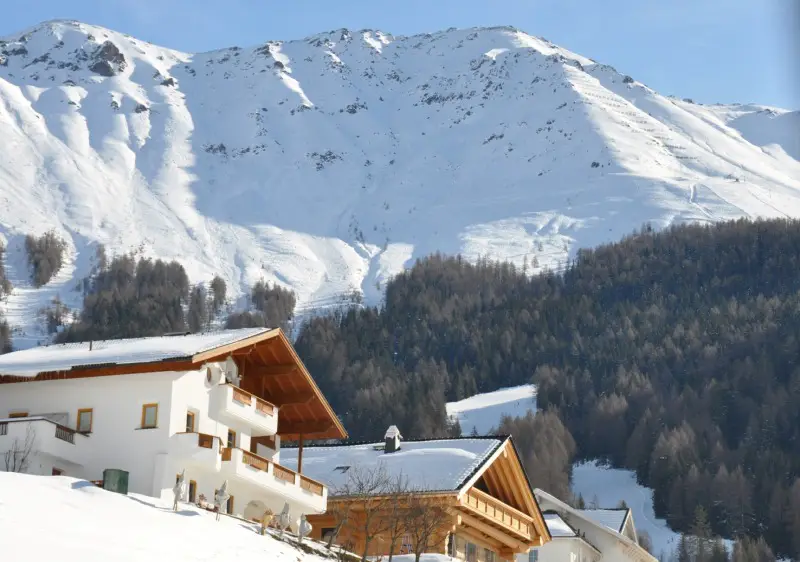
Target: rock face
108 60
329 164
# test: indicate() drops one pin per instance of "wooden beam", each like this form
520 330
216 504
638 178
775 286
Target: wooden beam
274 370
490 531
290 399
300 456
303 428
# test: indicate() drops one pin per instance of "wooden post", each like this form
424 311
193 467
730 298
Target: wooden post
300 456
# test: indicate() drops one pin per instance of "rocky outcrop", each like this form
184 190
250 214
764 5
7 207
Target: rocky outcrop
108 60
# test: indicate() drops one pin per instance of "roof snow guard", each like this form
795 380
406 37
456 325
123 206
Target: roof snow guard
268 367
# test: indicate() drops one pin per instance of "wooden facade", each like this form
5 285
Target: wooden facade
492 517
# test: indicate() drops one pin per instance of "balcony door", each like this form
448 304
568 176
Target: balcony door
231 439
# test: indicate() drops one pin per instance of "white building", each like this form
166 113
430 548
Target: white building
586 535
217 405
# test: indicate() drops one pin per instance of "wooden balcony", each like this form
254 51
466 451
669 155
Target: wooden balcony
497 513
243 411
279 472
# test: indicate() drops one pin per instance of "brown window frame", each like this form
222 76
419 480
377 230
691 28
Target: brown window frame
228 439
78 420
192 491
144 415
229 505
193 416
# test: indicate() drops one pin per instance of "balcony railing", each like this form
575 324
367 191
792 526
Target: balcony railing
259 463
65 434
244 397
498 512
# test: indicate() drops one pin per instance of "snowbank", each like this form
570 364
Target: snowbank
61 518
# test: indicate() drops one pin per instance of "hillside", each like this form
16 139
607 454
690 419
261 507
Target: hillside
61 518
329 164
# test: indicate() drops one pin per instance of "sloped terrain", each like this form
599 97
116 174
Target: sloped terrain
61 518
330 163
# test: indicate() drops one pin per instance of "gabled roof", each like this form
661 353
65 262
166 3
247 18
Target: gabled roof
640 553
557 526
614 519
133 351
560 529
439 465
269 368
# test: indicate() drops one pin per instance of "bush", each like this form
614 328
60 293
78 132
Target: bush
45 257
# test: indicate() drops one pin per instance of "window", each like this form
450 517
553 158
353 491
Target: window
533 555
327 532
488 555
149 416
85 418
189 422
231 439
18 415
472 552
229 507
192 491
57 471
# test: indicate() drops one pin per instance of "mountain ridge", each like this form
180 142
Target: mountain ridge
329 164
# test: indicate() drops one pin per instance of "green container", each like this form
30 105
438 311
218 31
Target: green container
115 480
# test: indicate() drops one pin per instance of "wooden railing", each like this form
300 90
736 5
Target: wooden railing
264 407
241 396
205 440
311 485
245 398
65 434
253 460
281 473
498 512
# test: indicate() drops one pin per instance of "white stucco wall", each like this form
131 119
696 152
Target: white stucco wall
117 439
563 549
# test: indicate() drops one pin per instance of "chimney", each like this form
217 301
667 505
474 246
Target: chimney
392 440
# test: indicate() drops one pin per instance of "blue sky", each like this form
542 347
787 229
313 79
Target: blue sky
709 50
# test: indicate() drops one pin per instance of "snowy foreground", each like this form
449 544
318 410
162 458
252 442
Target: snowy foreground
607 485
61 518
330 164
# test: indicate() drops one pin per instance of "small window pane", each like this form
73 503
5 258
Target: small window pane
85 421
189 422
150 416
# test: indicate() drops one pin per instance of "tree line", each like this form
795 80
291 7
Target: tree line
671 353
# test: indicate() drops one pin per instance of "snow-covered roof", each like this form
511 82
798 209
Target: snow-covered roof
557 526
64 357
392 432
614 519
432 466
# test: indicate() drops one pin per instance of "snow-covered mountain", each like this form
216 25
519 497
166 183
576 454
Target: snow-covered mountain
328 164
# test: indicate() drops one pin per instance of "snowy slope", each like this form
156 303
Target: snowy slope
328 164
61 518
609 486
483 412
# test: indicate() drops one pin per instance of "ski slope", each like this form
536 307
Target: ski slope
329 164
483 412
61 518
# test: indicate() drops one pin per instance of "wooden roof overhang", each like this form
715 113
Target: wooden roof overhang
269 368
498 501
